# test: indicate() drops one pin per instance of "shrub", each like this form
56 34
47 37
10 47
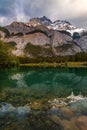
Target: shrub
11 44
33 50
7 34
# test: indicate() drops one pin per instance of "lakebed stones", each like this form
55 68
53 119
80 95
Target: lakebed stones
82 122
66 113
23 110
68 116
56 120
5 107
70 124
79 106
8 108
57 103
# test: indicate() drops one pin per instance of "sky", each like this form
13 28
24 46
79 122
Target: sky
74 11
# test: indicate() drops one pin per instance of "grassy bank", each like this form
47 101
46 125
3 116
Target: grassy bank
77 64
65 64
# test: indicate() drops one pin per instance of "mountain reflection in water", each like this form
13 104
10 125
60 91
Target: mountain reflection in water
58 82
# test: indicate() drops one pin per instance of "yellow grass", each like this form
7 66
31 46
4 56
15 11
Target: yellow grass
66 64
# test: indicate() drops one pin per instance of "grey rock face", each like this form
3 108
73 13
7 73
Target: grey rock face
59 39
43 20
38 33
82 42
17 27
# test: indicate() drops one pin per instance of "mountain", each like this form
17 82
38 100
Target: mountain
43 20
42 37
56 25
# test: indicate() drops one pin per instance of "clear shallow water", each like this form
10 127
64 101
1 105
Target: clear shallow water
40 83
25 94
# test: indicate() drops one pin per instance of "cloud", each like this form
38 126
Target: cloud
22 10
2 19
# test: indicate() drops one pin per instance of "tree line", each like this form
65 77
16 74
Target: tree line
6 58
79 57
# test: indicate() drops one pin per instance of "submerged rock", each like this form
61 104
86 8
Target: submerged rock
8 108
23 110
66 113
70 124
79 106
55 119
82 122
5 107
57 103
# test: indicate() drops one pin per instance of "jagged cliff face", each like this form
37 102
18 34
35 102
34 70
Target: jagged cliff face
47 38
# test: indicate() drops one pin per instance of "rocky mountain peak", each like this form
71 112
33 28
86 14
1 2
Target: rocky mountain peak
17 24
38 21
61 25
55 25
56 38
61 21
45 20
43 23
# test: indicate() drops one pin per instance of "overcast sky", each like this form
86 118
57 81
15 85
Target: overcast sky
74 11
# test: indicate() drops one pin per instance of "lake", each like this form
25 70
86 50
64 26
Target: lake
28 95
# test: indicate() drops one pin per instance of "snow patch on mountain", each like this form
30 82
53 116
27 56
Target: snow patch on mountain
78 30
61 25
56 25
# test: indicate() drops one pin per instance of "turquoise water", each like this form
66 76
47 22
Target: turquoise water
41 83
36 99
